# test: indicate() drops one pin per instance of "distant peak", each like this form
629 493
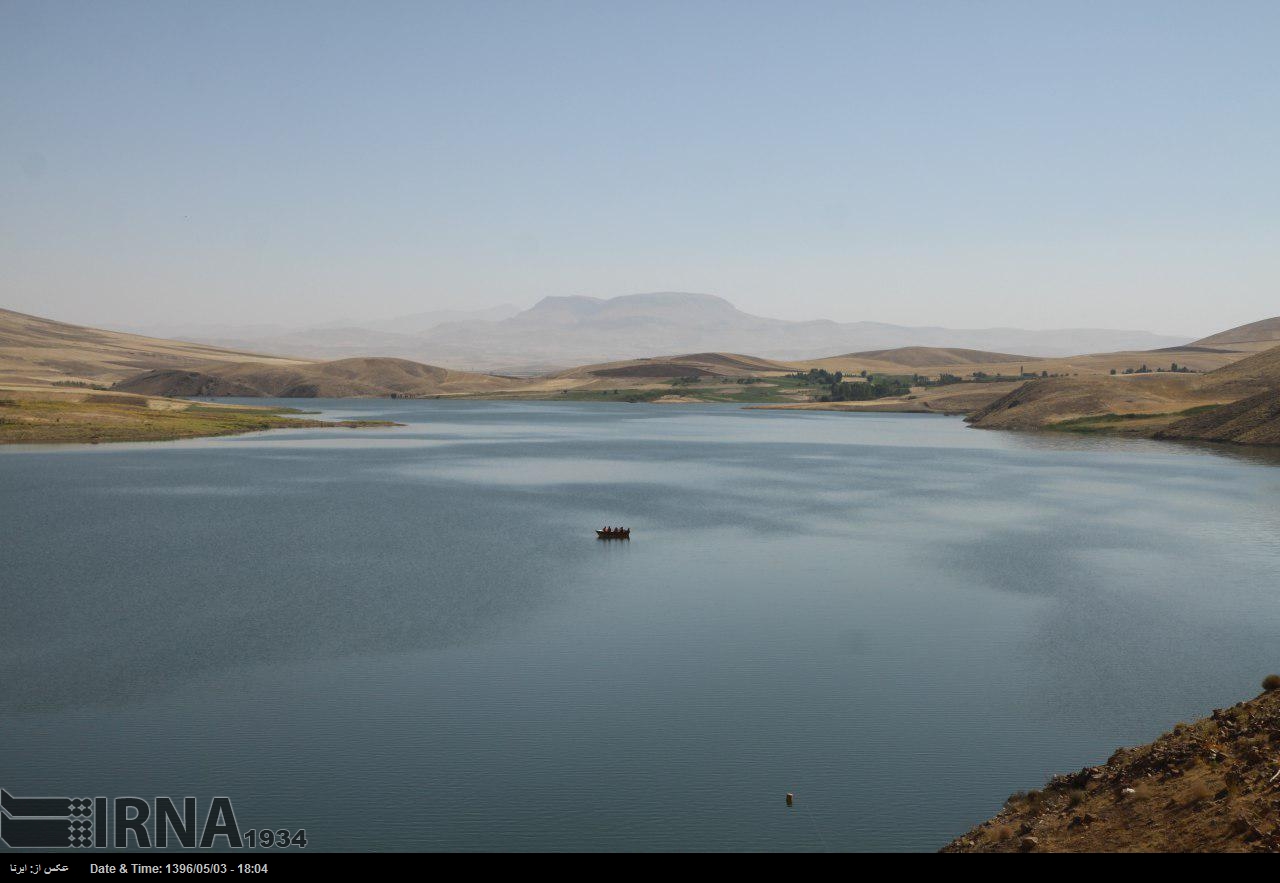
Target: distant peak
650 297
672 298
559 299
675 306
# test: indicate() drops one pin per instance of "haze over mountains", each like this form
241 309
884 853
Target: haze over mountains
412 323
560 332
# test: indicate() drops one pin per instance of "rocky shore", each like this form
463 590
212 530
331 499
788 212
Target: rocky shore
1208 786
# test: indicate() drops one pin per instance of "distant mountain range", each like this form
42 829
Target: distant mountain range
560 332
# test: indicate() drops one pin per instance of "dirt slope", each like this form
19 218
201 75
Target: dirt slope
1210 786
1247 376
1251 421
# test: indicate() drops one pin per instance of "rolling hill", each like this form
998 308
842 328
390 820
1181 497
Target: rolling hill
1038 404
1252 420
42 351
936 357
1247 375
1261 335
1075 387
701 365
919 359
1248 391
337 379
934 361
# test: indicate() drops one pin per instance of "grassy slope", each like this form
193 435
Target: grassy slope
35 416
1205 787
1128 424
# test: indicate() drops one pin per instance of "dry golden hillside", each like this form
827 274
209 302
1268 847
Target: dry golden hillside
1266 332
1037 404
1252 382
915 358
42 351
1248 375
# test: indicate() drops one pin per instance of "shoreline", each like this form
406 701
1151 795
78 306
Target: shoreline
871 407
1157 426
44 415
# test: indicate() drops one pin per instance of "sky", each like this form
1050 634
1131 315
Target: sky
962 163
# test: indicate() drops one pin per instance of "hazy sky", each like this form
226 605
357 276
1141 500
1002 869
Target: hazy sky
956 163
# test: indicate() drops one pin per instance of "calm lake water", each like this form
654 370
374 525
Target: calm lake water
410 638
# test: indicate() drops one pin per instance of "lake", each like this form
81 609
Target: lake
410 638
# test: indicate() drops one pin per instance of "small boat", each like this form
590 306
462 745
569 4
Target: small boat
614 533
